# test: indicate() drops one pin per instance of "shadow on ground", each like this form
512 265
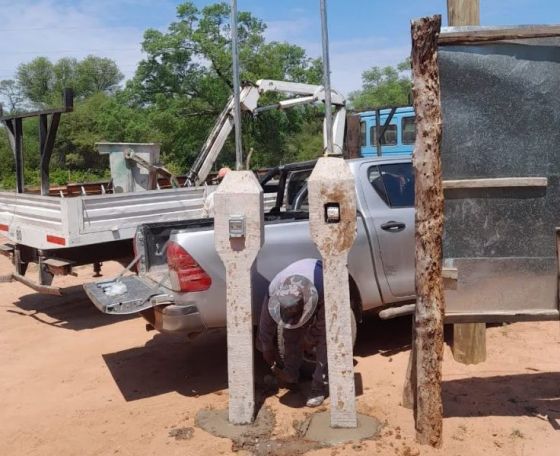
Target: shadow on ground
388 337
167 364
535 394
199 367
73 310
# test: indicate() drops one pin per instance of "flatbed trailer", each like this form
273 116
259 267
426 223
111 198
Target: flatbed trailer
58 233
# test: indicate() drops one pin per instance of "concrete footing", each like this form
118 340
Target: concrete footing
320 430
216 422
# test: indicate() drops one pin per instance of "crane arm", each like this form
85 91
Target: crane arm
249 97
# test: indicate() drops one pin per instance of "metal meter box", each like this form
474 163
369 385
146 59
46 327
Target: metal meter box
128 175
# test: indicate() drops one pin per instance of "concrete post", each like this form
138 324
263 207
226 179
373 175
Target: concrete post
238 236
332 221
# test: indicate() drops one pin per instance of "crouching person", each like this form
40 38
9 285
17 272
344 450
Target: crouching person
296 302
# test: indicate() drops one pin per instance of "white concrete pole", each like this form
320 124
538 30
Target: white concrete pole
332 221
238 236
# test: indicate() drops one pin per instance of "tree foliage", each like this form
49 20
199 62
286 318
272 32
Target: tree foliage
11 93
42 81
381 87
185 81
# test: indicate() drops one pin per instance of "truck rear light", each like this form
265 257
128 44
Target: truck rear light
56 239
185 273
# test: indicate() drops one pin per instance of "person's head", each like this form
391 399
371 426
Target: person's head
291 307
294 302
222 172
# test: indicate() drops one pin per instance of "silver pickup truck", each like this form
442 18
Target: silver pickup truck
180 285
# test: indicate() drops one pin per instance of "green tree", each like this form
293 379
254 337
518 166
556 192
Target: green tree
42 81
11 93
387 86
96 74
185 81
36 79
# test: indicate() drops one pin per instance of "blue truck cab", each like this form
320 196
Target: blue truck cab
399 135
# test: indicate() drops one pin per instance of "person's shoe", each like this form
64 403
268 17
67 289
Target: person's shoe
316 399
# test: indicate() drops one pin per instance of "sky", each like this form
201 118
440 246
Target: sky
362 33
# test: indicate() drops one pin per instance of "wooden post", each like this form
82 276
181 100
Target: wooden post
469 339
429 313
18 153
463 12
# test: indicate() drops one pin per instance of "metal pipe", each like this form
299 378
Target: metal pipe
327 80
236 88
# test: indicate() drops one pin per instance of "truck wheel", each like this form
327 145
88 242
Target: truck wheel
308 364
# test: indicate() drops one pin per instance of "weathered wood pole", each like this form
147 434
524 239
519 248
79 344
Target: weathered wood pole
429 315
469 339
238 236
463 12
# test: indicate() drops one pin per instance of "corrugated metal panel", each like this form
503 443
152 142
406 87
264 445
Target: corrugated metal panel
121 211
42 212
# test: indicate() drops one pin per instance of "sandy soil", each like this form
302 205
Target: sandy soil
75 381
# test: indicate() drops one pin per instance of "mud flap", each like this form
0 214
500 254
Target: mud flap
136 297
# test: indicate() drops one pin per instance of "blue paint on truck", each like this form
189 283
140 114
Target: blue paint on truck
399 135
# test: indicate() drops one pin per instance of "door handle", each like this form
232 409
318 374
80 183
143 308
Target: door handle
393 226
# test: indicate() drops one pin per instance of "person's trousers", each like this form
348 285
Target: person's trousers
293 357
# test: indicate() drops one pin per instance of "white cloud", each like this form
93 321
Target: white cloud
56 29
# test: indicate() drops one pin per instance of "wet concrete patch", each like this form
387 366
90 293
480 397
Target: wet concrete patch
254 438
319 429
312 433
216 422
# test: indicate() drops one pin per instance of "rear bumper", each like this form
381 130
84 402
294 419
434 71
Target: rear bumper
185 320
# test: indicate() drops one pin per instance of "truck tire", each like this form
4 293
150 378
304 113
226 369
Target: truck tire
308 364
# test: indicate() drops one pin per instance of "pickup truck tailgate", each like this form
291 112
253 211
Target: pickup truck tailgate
136 295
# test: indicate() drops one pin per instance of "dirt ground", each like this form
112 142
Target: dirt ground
75 381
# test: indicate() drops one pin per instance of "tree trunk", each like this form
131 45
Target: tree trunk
429 230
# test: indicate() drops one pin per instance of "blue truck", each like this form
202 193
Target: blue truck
396 127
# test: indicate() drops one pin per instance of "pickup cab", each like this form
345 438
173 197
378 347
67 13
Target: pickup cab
180 286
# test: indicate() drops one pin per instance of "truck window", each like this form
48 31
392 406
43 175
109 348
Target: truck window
376 181
408 130
390 137
363 141
297 181
394 183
